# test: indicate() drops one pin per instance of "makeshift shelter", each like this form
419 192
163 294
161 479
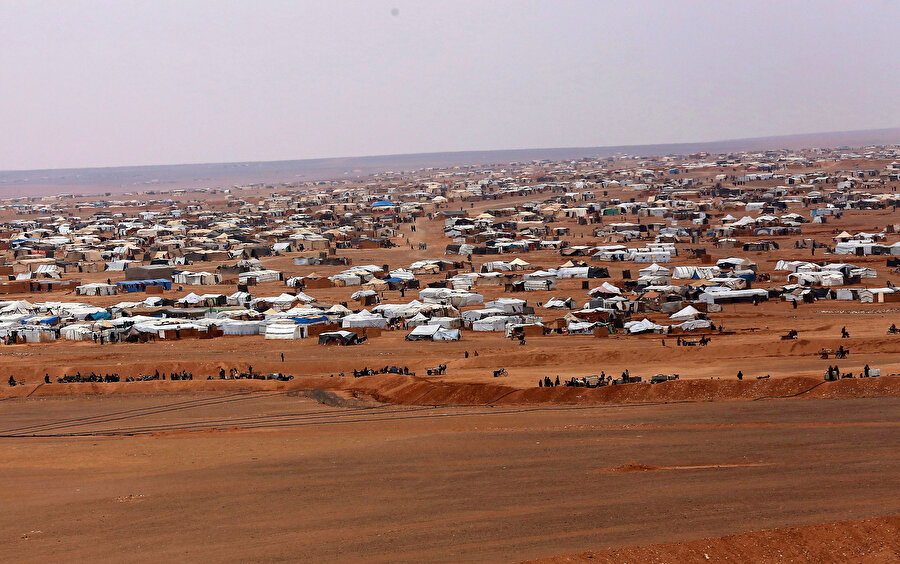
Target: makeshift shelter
341 338
363 319
197 278
494 323
433 333
560 303
259 276
285 331
689 312
97 289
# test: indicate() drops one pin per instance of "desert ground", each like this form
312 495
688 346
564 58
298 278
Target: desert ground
311 476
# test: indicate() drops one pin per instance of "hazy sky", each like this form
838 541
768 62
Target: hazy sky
91 83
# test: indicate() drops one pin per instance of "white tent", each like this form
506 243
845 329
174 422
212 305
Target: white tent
642 326
77 332
572 272
446 322
496 323
363 319
402 274
476 314
507 305
238 327
433 333
654 270
695 324
560 303
362 294
197 278
259 276
191 298
491 266
417 320
338 309
539 284
282 330
239 298
605 288
689 312
96 289
696 272
519 264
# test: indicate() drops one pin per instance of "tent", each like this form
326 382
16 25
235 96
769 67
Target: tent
259 276
283 330
519 264
433 333
342 338
605 289
363 319
417 320
237 327
560 303
96 289
689 312
506 305
695 324
494 323
197 278
654 270
643 326
696 272
338 310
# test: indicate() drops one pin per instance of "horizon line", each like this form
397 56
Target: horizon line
458 152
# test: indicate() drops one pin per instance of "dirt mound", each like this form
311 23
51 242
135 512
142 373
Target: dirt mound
413 390
866 540
416 391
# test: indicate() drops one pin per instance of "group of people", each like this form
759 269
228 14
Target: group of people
833 373
107 378
99 338
703 341
602 380
235 374
386 370
548 383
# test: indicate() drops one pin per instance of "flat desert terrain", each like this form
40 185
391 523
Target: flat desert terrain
321 476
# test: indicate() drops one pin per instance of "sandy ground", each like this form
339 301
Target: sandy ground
274 476
871 541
